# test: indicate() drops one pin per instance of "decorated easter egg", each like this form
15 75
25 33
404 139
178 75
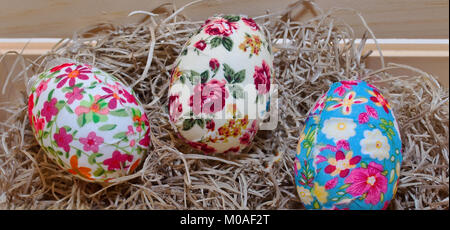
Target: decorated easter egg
349 152
88 121
220 86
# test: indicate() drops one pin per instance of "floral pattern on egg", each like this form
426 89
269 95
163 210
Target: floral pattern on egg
90 123
226 55
349 152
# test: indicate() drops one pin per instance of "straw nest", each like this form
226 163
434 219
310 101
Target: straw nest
309 56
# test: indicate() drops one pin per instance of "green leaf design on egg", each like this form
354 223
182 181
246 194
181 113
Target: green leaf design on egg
119 113
107 127
227 43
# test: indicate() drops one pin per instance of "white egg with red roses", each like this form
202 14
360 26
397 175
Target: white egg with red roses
88 121
220 86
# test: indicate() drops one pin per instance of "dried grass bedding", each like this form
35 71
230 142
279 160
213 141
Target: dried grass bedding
309 56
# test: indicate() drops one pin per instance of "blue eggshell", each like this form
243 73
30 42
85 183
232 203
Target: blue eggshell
349 152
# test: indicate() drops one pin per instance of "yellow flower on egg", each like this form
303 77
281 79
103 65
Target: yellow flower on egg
305 195
252 41
320 193
347 102
176 74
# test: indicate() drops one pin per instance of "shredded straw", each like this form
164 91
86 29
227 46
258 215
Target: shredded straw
309 56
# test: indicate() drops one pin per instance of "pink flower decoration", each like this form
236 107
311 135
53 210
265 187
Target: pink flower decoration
320 104
347 102
74 95
175 107
245 139
209 97
130 98
233 149
201 45
363 118
344 86
207 21
214 64
98 80
39 124
262 78
94 108
71 75
49 110
250 134
30 108
146 140
371 112
198 145
331 183
379 100
367 180
341 164
63 139
56 68
118 161
113 91
342 144
251 23
210 125
91 142
130 130
254 128
206 148
320 159
220 27
42 86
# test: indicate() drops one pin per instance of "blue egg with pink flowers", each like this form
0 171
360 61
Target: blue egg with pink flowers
350 150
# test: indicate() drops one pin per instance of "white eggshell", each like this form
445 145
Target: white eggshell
89 122
220 87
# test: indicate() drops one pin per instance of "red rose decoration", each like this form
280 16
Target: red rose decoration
201 45
245 139
175 107
262 78
209 97
252 24
221 27
233 149
210 125
198 145
206 23
214 64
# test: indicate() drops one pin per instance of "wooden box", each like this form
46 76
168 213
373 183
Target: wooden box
411 32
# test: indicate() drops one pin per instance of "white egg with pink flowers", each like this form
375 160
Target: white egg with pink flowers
88 121
220 85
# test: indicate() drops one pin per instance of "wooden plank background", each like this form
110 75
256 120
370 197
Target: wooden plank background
60 18
416 19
